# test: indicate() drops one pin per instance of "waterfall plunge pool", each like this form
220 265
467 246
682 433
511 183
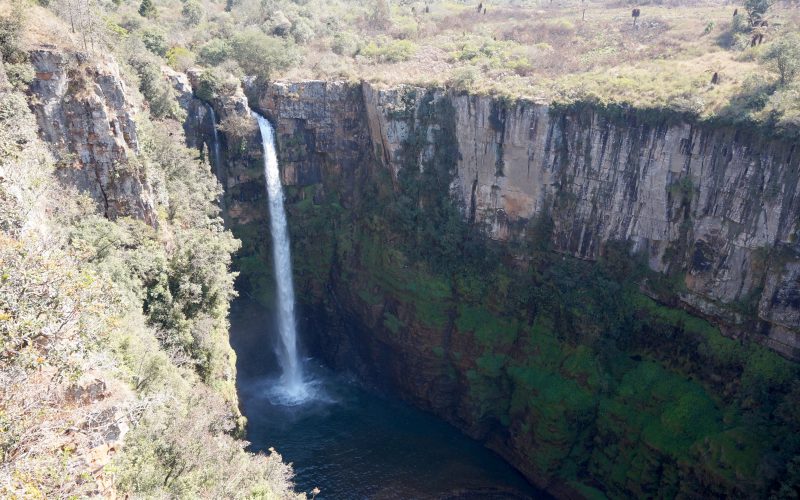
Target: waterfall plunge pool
354 443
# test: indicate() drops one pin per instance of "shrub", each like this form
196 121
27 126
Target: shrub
784 57
740 25
10 33
180 58
155 41
464 79
180 450
19 75
261 55
279 24
214 52
148 9
345 43
208 85
214 82
500 54
238 127
784 107
192 13
756 90
302 30
116 30
154 88
389 50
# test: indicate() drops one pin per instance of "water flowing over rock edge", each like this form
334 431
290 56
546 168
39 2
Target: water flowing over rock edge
292 388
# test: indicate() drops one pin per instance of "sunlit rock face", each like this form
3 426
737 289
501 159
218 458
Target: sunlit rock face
716 203
84 109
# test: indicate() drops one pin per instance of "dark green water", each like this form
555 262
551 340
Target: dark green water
353 443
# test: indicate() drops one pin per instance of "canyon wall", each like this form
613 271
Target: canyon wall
97 130
718 206
543 340
84 110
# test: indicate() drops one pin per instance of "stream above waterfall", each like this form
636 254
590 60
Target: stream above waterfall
352 442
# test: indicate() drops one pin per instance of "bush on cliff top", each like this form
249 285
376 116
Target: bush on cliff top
261 55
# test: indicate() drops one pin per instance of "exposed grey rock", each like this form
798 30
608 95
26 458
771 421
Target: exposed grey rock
84 111
86 391
197 125
179 82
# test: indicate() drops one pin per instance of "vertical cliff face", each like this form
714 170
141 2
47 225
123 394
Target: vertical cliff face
85 112
716 206
325 133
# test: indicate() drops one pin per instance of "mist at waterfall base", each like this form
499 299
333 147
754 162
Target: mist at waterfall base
342 438
353 442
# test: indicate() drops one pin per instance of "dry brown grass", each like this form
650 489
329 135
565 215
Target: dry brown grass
44 28
551 51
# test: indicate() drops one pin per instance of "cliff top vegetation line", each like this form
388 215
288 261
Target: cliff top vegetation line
732 60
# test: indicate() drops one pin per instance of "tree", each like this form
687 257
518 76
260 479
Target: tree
180 58
83 16
260 55
155 41
147 9
10 35
192 12
784 57
756 9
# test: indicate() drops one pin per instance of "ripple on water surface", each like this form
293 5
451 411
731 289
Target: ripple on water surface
353 443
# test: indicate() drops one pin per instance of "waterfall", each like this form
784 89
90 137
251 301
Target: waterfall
292 386
215 152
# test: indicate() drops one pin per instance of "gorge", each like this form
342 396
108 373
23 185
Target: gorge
550 312
334 249
364 445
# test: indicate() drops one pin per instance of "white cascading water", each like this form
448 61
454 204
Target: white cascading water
292 389
215 152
